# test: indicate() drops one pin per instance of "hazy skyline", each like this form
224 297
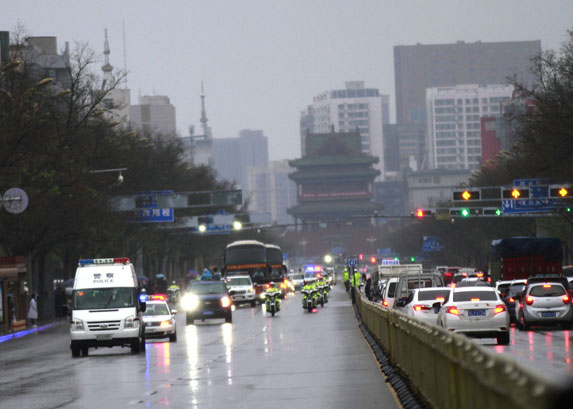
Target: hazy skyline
263 61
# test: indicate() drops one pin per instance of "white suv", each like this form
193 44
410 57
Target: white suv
241 290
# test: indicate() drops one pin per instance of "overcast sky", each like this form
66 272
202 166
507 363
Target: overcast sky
262 61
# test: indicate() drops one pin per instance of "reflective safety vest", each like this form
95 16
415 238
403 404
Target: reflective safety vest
346 274
356 280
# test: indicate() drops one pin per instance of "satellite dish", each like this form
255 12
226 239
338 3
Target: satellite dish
15 200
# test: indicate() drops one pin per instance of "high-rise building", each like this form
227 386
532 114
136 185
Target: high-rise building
153 114
347 110
270 190
233 156
421 66
40 54
454 130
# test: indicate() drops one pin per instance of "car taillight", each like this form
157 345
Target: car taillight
529 300
453 310
385 303
566 299
499 308
449 274
267 286
421 307
511 299
225 302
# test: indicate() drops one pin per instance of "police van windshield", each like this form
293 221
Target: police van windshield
101 298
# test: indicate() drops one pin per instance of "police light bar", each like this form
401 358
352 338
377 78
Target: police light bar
117 260
142 297
158 297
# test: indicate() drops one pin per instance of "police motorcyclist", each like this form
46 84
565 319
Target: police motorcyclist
273 290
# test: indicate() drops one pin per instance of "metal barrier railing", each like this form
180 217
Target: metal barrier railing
450 371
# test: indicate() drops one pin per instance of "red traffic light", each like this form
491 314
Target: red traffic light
373 260
361 256
421 213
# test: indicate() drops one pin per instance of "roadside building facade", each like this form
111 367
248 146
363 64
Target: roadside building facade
454 130
421 66
154 114
345 110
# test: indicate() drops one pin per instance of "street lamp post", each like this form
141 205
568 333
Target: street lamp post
120 176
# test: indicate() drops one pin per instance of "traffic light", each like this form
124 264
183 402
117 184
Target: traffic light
421 213
466 212
560 191
491 211
361 256
465 195
412 259
515 193
373 260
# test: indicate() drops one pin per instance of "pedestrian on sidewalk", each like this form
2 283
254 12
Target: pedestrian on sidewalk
11 313
33 310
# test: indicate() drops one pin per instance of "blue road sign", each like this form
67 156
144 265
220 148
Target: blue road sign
520 206
539 191
431 243
352 262
528 182
153 215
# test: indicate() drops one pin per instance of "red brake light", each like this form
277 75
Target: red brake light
480 274
449 274
453 285
529 300
499 308
453 310
421 307
474 299
566 299
511 299
385 303
440 299
546 285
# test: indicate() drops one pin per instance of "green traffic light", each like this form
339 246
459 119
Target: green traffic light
498 212
395 258
465 212
568 209
412 258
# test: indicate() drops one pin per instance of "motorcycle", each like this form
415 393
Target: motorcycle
272 302
309 299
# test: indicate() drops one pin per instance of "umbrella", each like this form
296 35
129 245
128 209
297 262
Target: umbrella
160 276
67 284
143 279
191 274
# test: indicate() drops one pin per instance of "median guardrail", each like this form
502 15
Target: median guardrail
450 371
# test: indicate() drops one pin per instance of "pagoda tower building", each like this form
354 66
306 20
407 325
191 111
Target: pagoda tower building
335 180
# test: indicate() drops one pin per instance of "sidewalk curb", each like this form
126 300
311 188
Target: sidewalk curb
20 334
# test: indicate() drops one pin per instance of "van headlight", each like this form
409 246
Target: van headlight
190 302
77 325
130 322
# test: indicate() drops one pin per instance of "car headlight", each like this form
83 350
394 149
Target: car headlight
225 302
190 302
166 323
130 322
77 325
251 290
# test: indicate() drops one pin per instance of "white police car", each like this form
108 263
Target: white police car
159 319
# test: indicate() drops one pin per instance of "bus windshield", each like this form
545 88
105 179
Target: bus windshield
274 256
245 254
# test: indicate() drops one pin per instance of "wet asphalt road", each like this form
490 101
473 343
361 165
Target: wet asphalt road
296 359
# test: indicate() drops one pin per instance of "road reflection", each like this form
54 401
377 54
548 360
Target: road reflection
192 343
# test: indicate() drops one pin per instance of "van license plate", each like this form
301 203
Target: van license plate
105 337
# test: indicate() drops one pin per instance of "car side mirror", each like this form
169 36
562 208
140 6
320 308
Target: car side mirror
400 303
437 305
173 312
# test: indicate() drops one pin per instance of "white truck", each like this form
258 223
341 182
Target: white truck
106 307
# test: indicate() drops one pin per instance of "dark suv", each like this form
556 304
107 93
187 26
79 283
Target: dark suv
207 300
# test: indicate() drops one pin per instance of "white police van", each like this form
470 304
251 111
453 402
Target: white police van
106 307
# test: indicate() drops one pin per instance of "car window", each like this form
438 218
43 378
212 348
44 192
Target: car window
547 291
156 309
211 288
240 281
502 287
391 289
469 295
432 294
